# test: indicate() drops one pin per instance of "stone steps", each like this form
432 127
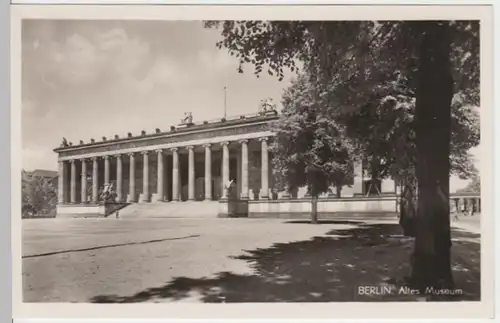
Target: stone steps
187 209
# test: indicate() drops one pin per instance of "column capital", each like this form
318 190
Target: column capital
207 145
191 147
263 138
72 161
105 157
131 154
174 149
145 152
243 141
94 159
224 143
83 160
159 151
118 156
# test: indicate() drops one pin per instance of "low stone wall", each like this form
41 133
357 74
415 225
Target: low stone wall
88 210
81 210
301 208
233 209
39 216
111 208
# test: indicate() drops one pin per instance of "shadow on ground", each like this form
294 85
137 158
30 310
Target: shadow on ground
323 269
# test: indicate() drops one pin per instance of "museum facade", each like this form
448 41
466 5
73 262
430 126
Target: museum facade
197 162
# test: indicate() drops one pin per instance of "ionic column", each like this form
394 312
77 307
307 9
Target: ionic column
61 183
95 180
119 178
225 168
131 185
175 174
237 188
191 174
264 191
73 182
145 176
84 181
106 169
159 196
244 169
208 172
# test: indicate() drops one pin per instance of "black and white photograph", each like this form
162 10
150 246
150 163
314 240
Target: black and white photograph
232 160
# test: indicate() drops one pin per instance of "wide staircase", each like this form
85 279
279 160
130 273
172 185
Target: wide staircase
187 209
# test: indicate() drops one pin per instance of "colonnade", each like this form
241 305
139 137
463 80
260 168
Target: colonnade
457 204
159 195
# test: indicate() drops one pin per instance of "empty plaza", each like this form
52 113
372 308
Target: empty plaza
224 260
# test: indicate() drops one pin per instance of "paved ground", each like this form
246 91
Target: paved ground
470 223
221 260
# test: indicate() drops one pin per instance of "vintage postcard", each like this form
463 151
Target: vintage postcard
232 161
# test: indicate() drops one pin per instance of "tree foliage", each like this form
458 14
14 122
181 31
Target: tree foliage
309 149
384 129
347 57
39 196
474 186
366 72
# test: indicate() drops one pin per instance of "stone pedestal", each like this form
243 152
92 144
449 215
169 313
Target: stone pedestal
143 198
130 198
358 179
157 198
388 186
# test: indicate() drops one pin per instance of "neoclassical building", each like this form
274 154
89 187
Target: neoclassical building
193 162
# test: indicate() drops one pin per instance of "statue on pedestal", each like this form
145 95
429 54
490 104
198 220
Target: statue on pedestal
188 119
228 187
267 107
108 194
64 142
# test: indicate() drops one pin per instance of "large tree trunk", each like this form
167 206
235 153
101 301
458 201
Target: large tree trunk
314 209
431 258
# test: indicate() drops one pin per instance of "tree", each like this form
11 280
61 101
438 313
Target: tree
308 149
474 186
384 130
348 59
39 196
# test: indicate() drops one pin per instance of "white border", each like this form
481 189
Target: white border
272 310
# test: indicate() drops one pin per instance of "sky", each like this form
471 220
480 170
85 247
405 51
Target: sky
89 79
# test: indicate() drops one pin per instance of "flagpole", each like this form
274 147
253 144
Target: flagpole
225 103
